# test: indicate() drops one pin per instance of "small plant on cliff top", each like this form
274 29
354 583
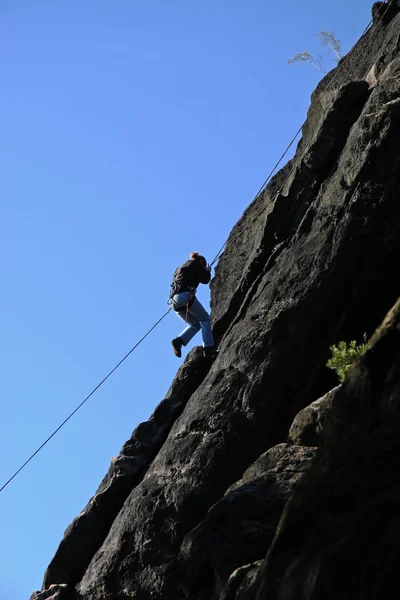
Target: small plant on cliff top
327 38
344 356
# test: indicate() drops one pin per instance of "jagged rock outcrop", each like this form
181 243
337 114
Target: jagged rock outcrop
198 495
242 582
384 12
308 427
240 527
338 536
86 533
54 592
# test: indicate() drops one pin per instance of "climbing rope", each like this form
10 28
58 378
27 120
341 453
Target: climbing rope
339 69
224 246
83 401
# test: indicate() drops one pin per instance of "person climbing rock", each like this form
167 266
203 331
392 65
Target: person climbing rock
183 300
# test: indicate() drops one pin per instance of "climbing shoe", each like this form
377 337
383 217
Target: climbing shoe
176 346
210 352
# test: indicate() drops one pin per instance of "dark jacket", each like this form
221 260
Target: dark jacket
188 276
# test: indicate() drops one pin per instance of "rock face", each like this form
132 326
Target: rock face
308 427
86 533
338 535
240 527
224 494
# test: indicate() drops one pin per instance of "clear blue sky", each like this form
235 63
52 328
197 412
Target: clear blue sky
133 133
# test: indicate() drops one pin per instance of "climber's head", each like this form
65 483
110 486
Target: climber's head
199 258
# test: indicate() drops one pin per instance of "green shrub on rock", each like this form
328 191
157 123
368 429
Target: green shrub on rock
344 355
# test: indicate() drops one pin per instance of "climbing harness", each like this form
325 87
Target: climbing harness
189 303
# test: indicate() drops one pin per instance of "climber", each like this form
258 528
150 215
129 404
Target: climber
184 302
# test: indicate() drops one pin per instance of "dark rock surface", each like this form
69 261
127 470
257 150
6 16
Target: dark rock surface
384 12
190 507
240 527
86 533
308 426
338 537
242 582
54 592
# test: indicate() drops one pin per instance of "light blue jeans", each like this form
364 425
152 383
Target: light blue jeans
197 318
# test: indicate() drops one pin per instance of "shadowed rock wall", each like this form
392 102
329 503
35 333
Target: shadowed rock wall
338 535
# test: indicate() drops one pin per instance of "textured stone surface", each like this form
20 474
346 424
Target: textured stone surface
313 260
86 533
54 592
240 527
242 582
384 12
307 428
338 537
